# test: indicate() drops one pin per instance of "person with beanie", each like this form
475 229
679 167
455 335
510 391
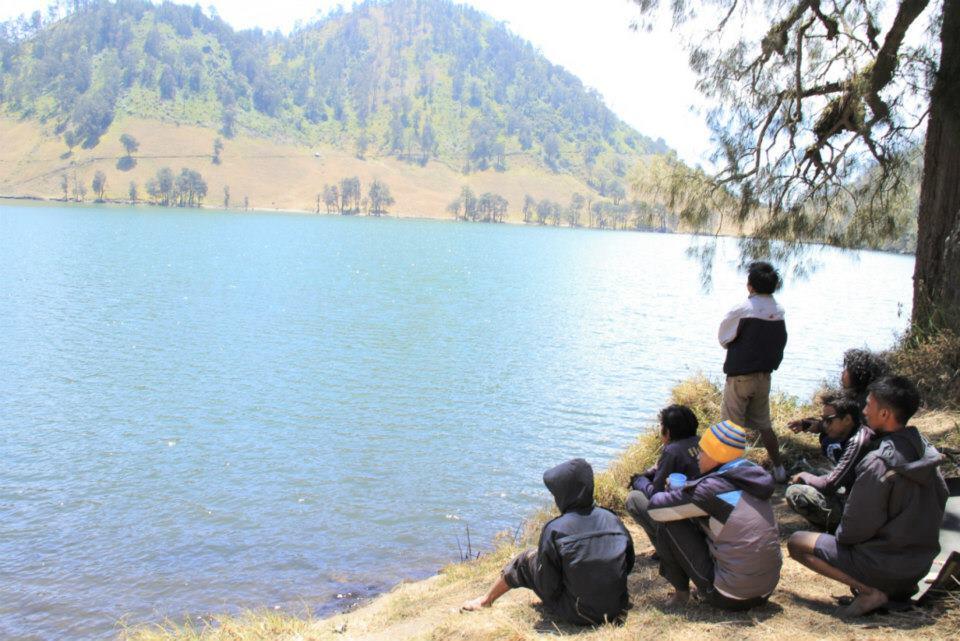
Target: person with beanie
579 569
719 530
754 334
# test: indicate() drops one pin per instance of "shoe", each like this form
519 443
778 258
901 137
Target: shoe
779 474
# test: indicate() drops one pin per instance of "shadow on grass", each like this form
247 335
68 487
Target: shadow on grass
912 618
702 612
548 624
649 591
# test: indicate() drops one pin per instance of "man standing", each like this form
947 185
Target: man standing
754 335
890 528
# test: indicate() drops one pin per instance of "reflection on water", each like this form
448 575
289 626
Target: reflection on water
205 411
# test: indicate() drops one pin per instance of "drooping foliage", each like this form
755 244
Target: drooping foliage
816 110
819 110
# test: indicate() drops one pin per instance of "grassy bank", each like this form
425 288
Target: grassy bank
801 608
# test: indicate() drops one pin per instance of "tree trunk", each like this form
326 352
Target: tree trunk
936 278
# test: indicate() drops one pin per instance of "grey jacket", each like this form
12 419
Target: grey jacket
732 505
891 522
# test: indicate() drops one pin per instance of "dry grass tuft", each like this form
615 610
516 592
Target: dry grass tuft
934 364
251 626
610 486
703 396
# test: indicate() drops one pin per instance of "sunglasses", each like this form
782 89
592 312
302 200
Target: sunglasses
825 420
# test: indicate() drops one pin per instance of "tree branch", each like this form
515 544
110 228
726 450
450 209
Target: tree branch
886 63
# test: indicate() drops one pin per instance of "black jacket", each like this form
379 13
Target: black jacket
585 554
754 334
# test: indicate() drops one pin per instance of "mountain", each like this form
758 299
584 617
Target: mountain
414 83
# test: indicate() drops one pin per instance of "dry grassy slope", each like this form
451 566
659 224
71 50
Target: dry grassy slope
801 608
273 175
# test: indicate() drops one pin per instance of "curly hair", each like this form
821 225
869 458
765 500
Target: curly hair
864 368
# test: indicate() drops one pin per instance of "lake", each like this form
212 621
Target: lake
207 411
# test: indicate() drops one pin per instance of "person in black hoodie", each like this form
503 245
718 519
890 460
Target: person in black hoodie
890 528
580 567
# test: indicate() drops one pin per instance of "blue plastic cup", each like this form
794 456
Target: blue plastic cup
676 480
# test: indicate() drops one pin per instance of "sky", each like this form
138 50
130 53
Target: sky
643 77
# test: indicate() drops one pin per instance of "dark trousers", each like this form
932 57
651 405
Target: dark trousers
521 571
637 505
685 556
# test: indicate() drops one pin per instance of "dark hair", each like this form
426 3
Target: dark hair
678 421
898 394
864 367
762 277
843 405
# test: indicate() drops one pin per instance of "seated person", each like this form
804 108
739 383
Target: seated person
844 442
861 367
579 570
719 531
889 532
678 431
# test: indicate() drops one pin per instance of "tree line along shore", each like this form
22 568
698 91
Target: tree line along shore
350 195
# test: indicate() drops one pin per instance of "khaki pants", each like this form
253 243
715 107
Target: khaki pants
746 401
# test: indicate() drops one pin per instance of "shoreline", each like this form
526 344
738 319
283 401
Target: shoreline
399 216
428 608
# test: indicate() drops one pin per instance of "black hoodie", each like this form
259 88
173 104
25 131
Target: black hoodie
585 554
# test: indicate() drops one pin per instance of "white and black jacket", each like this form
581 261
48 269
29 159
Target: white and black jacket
754 334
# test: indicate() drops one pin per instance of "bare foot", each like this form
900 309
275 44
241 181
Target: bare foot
678 599
866 601
474 605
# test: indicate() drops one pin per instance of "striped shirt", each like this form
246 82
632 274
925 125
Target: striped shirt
844 473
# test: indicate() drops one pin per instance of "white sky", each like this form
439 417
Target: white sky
643 77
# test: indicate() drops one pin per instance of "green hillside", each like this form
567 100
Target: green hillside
419 80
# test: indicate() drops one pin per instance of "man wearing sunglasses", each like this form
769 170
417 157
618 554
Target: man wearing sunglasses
889 532
820 498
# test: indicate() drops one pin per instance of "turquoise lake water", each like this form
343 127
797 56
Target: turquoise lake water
203 412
